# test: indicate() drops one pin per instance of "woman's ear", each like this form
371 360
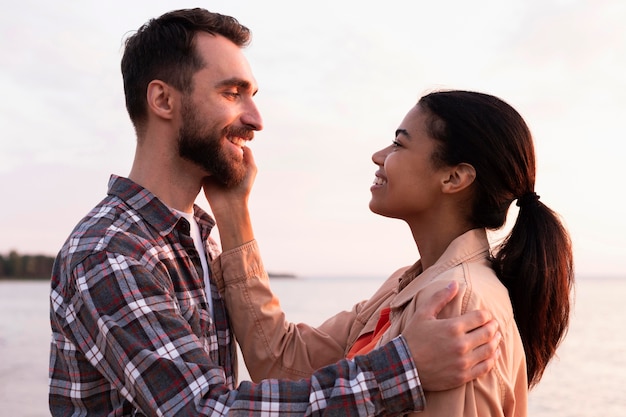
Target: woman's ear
160 97
459 178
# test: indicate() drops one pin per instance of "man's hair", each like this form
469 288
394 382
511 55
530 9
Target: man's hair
164 49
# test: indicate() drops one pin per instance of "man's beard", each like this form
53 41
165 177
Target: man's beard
204 148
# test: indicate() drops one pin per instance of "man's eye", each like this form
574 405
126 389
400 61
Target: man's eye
396 144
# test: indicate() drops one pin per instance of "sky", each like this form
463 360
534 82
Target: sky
336 78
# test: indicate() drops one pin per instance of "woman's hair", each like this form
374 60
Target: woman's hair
164 49
535 260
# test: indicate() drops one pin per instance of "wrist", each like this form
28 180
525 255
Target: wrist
235 227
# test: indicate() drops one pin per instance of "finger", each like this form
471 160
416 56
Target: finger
481 368
438 301
482 335
248 156
485 349
473 320
486 356
248 160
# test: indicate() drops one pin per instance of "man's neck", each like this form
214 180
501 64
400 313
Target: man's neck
174 181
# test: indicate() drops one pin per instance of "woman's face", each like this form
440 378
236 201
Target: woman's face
407 183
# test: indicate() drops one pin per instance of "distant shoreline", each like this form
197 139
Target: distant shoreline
25 267
278 275
281 275
6 278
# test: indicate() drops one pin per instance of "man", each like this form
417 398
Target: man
138 325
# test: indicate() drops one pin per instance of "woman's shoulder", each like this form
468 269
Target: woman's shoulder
479 288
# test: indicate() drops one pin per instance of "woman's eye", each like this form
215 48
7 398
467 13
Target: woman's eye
395 144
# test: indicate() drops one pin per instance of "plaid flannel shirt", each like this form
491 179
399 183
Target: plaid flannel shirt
132 333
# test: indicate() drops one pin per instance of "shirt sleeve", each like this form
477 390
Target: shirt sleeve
272 346
131 328
383 382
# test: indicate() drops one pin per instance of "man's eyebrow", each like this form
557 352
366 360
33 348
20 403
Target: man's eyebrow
403 132
236 82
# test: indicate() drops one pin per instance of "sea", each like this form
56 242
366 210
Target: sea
587 379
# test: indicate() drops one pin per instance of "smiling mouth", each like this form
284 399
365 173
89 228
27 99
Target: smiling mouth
379 181
237 140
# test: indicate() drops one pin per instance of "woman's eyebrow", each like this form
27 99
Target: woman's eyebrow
403 132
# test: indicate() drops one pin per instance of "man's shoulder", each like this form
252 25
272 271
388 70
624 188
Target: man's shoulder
108 226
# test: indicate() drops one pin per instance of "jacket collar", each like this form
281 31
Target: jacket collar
472 244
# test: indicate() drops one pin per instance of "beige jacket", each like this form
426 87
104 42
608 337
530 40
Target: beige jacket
275 348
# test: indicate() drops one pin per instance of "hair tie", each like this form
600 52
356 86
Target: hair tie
527 199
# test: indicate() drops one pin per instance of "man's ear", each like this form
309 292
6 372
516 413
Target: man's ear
160 97
459 178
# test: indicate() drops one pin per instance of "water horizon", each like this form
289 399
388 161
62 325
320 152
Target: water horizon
583 380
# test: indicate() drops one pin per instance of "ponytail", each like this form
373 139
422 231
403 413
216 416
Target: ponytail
535 263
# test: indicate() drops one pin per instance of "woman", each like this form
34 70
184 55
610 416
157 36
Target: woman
458 161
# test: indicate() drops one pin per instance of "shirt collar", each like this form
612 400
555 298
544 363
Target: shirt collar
151 209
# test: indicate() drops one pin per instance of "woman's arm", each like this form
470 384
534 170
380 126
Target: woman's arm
272 346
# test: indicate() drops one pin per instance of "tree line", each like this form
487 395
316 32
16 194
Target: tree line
18 266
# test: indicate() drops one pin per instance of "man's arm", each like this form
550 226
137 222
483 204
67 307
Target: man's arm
131 330
384 382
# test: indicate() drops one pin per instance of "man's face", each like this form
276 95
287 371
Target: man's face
219 116
203 145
